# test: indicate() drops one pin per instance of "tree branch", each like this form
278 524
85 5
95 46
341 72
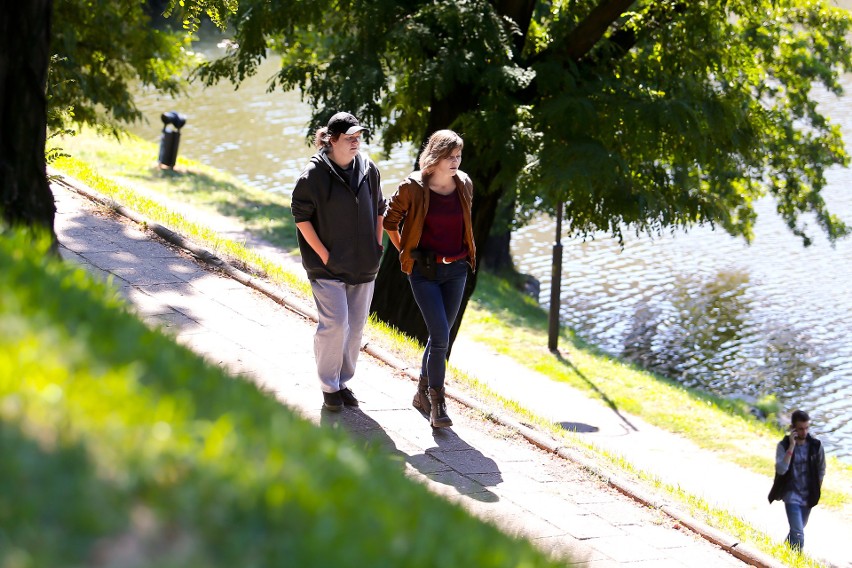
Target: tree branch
520 12
583 38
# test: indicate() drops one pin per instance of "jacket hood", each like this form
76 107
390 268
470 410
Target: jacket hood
361 163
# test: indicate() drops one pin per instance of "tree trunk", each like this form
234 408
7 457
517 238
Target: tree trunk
25 196
497 257
484 211
393 302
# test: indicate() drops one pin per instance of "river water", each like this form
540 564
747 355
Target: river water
698 306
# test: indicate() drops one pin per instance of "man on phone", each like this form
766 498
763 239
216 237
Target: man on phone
799 470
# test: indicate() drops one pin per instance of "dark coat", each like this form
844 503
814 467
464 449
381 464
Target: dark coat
345 219
781 484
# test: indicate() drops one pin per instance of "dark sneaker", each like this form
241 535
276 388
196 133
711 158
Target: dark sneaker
348 397
332 401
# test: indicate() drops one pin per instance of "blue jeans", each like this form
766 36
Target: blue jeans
439 301
797 517
342 310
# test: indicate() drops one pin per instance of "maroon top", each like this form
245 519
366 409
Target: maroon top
444 225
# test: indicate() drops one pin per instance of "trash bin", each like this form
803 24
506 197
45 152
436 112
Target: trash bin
170 139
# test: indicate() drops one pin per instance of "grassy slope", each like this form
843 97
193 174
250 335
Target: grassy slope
516 326
119 447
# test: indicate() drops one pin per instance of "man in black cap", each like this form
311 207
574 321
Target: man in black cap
339 208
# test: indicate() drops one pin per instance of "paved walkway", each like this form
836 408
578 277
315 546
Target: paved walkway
487 467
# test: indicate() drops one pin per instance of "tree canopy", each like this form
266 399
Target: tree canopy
692 111
101 51
650 114
645 115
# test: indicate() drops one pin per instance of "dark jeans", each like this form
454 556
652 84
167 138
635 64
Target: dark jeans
439 301
797 516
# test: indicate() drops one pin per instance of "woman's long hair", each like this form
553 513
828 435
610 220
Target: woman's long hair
441 144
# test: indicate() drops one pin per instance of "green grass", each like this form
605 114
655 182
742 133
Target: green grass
610 463
514 325
155 211
133 163
120 447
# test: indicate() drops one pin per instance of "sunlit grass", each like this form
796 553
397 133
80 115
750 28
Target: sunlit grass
120 447
132 162
611 463
153 210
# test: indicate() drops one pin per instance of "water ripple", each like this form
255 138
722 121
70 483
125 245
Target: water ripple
714 313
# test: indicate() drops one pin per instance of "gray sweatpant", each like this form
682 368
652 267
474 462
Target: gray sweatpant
342 309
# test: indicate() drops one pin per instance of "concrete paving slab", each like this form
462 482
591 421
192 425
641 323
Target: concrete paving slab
573 551
627 548
511 518
661 536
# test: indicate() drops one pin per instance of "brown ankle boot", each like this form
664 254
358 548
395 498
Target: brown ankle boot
438 417
421 397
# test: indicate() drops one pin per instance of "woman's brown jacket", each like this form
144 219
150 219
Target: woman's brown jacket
409 206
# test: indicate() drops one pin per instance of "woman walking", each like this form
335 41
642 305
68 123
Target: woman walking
436 248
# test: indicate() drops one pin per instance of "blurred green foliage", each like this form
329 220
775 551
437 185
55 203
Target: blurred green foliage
639 116
120 447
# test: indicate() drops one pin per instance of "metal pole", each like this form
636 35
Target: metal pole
555 285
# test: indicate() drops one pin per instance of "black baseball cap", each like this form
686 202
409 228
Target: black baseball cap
344 123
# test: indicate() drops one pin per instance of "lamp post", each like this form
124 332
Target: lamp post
555 285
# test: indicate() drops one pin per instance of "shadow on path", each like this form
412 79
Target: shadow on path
456 463
451 461
363 428
609 402
579 427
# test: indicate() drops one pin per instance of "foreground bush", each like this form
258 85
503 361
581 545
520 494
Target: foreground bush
120 448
